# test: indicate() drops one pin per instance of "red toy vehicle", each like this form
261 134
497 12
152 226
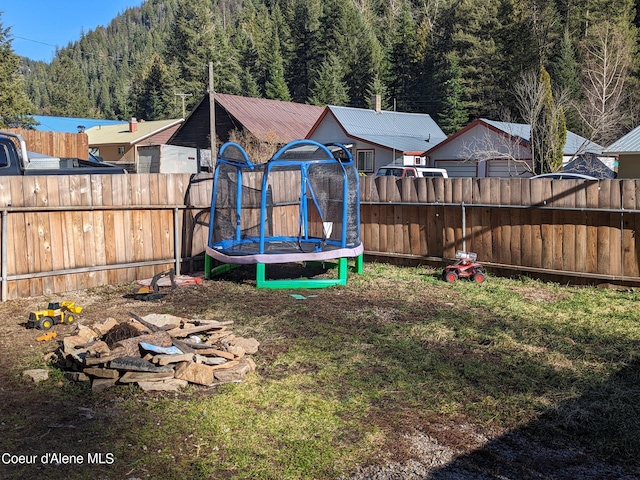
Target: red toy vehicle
465 267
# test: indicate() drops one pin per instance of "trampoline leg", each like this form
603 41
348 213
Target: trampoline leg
207 266
343 269
260 276
358 267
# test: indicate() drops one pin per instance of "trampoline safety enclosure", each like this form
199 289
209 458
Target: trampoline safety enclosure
302 205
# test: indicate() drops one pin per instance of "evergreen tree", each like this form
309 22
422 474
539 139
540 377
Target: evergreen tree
226 68
403 62
35 79
253 40
248 85
328 86
68 91
276 87
452 112
15 107
304 56
154 92
565 76
191 45
470 33
365 61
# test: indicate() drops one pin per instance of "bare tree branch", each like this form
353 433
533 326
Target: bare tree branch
607 57
491 145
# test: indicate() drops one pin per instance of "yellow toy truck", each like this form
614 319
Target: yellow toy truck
56 312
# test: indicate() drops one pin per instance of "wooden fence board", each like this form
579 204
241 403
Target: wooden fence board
615 228
526 229
486 245
515 240
630 244
120 237
603 252
538 198
450 221
100 246
45 263
591 220
569 241
559 193
56 144
505 220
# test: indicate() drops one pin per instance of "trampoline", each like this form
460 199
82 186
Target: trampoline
303 205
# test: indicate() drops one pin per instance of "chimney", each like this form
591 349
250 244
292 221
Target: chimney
376 103
133 125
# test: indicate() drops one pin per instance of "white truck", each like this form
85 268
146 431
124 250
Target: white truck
404 171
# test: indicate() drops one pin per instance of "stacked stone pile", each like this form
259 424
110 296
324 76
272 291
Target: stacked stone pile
157 352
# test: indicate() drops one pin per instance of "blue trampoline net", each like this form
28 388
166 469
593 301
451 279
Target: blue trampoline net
305 199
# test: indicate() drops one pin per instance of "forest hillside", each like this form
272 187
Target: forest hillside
455 59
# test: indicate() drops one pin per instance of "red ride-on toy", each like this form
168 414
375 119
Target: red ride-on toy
465 267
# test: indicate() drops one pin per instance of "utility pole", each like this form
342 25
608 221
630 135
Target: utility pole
212 117
183 96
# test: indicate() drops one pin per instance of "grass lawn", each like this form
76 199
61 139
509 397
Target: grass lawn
343 374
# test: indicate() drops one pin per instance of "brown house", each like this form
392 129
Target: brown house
271 121
118 144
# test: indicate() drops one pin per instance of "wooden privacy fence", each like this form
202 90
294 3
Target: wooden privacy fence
56 144
63 233
566 227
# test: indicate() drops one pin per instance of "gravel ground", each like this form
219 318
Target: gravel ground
513 456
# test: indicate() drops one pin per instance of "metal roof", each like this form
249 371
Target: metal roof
120 134
574 143
69 124
630 143
407 132
271 120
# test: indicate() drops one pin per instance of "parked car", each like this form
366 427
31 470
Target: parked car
407 171
565 176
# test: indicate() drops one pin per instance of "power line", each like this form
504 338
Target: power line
34 41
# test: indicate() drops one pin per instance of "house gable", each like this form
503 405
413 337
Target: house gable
386 136
271 121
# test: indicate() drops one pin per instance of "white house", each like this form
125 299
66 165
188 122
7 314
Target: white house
378 137
487 148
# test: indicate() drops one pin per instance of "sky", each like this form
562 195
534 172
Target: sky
39 26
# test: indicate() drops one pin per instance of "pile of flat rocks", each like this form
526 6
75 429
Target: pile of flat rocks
157 352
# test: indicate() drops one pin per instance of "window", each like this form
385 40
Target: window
4 156
120 151
365 160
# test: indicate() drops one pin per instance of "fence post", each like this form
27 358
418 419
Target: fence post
177 247
464 228
3 271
